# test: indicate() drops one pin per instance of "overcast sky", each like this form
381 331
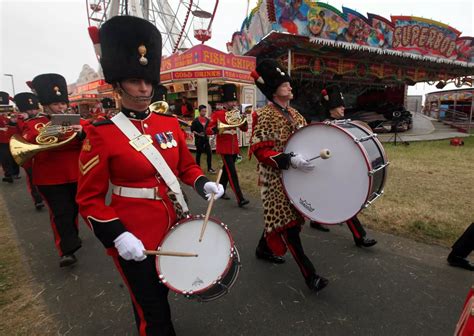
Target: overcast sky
51 36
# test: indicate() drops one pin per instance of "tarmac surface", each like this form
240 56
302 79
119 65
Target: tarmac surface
398 287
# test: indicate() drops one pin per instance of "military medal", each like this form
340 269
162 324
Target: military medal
173 141
168 142
160 141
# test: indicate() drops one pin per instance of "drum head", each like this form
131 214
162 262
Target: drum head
338 187
195 274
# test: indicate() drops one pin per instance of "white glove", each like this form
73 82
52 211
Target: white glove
130 247
300 162
213 187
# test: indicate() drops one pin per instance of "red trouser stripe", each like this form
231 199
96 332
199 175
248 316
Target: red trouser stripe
229 177
295 255
353 229
135 303
57 237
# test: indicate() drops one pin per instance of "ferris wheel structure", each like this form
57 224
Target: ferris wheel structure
177 20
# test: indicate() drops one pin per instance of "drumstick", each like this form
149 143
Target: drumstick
209 207
323 154
170 253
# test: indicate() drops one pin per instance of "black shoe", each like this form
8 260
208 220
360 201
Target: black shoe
8 179
67 260
456 261
17 177
243 202
225 197
317 226
211 171
317 283
39 206
268 256
365 242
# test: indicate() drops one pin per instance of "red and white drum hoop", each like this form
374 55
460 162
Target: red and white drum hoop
339 187
207 276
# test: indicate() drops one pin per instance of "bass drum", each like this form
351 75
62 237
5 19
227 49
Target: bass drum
212 273
339 187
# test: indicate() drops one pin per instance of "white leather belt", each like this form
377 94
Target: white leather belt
148 193
232 132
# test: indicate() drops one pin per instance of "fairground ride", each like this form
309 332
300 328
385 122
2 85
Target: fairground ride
175 19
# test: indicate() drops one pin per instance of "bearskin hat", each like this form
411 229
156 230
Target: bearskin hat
50 88
26 101
269 75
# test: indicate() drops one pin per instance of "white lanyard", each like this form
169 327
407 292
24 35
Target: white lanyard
144 144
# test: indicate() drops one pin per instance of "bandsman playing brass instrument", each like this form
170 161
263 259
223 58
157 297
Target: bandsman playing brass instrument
8 127
28 105
55 169
224 123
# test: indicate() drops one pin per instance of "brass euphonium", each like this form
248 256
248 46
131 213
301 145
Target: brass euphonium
233 120
48 138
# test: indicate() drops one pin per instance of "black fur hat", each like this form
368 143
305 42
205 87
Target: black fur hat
130 48
50 88
229 92
159 93
269 75
26 101
4 98
332 97
108 103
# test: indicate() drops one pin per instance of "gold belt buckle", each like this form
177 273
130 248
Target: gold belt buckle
141 142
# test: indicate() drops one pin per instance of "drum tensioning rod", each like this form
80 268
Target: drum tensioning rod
323 154
170 253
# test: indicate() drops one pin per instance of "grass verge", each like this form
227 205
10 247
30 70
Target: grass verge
22 310
428 193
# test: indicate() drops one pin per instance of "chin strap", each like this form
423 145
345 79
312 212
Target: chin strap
122 92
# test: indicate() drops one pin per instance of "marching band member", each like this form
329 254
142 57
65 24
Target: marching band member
201 140
146 201
8 127
333 104
272 126
28 104
55 170
227 143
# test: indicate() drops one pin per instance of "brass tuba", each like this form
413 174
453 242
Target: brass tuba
233 120
48 138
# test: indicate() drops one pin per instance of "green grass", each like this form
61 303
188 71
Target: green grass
428 193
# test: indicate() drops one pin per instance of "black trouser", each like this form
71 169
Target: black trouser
204 147
465 244
229 170
63 210
356 228
149 296
291 236
34 192
10 167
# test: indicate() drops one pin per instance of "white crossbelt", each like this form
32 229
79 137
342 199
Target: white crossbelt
144 144
148 193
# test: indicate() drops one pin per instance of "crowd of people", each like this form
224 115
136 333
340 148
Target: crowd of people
141 155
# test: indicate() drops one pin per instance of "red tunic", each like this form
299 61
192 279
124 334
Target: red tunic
227 142
54 166
107 156
7 129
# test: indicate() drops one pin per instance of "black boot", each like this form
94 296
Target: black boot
461 262
243 202
316 282
8 179
317 226
67 260
39 206
365 242
268 256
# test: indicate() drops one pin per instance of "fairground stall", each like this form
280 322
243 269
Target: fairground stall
371 58
453 107
195 77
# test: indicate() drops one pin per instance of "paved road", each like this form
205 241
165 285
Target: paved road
399 287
